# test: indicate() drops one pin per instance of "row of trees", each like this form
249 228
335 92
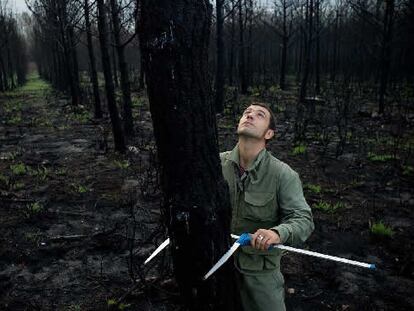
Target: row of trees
13 58
311 43
62 28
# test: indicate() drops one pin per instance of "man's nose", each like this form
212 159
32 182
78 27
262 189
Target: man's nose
249 116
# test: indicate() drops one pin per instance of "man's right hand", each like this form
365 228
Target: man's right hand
263 238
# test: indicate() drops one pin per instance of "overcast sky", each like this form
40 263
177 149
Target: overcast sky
18 5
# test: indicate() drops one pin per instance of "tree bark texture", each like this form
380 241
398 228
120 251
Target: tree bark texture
123 68
92 61
119 139
174 43
219 100
386 51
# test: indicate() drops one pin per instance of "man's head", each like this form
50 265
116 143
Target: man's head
257 121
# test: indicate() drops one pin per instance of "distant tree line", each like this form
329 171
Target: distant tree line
13 58
313 43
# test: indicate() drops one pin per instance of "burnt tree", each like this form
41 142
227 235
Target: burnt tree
220 56
123 68
174 42
119 139
92 61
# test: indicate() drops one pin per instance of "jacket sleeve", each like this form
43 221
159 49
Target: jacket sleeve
296 221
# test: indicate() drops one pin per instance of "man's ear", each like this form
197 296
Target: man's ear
269 134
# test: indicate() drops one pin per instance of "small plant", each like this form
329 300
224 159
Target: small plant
380 157
124 164
80 188
327 207
74 308
41 172
33 209
4 179
15 120
61 171
313 188
112 303
380 229
17 186
33 236
299 149
407 170
18 169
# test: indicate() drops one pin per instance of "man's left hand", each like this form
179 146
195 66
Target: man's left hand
263 238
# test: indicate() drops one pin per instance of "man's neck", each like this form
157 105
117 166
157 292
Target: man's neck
249 148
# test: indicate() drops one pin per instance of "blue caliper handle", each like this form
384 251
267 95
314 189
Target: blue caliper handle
244 239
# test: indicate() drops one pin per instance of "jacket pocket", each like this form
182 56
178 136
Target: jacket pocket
259 206
250 260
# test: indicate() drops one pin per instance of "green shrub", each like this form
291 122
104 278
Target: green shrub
18 169
327 207
33 209
380 157
123 164
313 188
299 149
380 229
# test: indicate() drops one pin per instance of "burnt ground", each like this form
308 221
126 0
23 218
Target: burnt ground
77 220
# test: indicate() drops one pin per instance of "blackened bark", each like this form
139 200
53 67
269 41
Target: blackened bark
242 60
335 47
317 52
285 39
220 56
232 41
386 51
94 75
307 51
174 43
119 139
75 64
123 68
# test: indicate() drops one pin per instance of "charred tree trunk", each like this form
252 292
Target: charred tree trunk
75 65
307 51
94 75
386 51
242 59
232 41
123 68
285 40
249 22
219 100
335 47
317 52
119 139
174 42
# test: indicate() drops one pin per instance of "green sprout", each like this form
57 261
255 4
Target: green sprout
327 207
299 149
380 229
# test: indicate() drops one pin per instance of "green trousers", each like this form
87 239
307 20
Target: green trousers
263 292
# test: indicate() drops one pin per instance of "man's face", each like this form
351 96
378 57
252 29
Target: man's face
254 123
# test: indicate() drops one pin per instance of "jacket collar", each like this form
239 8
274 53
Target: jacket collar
234 157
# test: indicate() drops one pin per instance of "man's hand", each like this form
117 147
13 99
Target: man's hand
263 238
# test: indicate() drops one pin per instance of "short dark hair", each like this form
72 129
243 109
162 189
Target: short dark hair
272 121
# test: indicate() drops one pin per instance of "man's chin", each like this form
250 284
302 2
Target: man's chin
247 134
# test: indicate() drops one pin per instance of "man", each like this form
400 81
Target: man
267 201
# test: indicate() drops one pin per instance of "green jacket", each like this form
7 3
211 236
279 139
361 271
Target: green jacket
268 196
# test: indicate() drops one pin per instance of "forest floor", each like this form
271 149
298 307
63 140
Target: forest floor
77 220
